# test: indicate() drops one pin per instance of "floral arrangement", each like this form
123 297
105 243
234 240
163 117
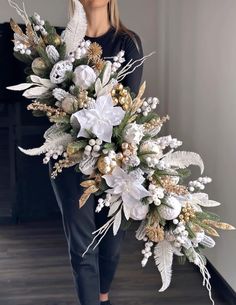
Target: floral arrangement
112 137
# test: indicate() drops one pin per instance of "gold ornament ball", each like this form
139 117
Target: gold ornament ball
115 101
56 40
38 66
125 107
113 92
103 167
124 92
120 87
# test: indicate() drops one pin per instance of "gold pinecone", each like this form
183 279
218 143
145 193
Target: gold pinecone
94 52
155 233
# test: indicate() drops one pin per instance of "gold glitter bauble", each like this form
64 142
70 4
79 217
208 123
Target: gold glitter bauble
56 40
103 167
38 66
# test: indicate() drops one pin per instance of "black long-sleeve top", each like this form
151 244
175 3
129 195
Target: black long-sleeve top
112 43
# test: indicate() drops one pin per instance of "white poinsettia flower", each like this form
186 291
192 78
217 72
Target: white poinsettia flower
99 119
133 133
131 190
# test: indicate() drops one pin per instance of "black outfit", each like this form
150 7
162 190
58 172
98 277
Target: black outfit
94 272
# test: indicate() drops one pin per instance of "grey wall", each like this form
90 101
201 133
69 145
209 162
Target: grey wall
200 95
193 73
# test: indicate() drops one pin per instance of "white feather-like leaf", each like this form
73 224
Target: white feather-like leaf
212 203
141 231
76 28
114 207
20 87
163 256
201 199
126 211
183 159
62 139
117 222
106 74
42 81
35 92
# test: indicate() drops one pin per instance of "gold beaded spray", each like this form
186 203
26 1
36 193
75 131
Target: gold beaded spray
187 213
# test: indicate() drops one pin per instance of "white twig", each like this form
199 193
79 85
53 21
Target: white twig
100 231
20 11
131 66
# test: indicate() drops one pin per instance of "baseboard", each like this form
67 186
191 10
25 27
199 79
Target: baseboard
222 287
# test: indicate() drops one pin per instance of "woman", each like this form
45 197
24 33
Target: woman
93 273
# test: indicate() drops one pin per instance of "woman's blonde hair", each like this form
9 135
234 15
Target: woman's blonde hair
113 13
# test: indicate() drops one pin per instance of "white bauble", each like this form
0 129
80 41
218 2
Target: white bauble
59 70
151 148
170 209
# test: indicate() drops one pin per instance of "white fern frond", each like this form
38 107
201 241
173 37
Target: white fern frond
53 131
63 139
76 28
182 159
163 256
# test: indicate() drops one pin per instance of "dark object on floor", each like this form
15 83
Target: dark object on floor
106 303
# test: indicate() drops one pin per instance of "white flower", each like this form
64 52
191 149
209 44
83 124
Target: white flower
104 85
84 76
139 211
100 119
41 86
131 190
133 133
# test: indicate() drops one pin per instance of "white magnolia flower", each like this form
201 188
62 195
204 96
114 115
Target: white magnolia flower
84 76
38 87
105 85
100 119
131 190
133 133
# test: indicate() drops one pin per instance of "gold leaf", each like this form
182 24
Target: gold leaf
87 183
138 101
211 231
219 225
90 190
142 90
30 33
195 228
15 28
132 118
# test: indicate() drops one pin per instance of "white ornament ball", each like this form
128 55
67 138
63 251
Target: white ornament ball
170 209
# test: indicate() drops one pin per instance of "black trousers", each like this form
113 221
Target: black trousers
93 273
